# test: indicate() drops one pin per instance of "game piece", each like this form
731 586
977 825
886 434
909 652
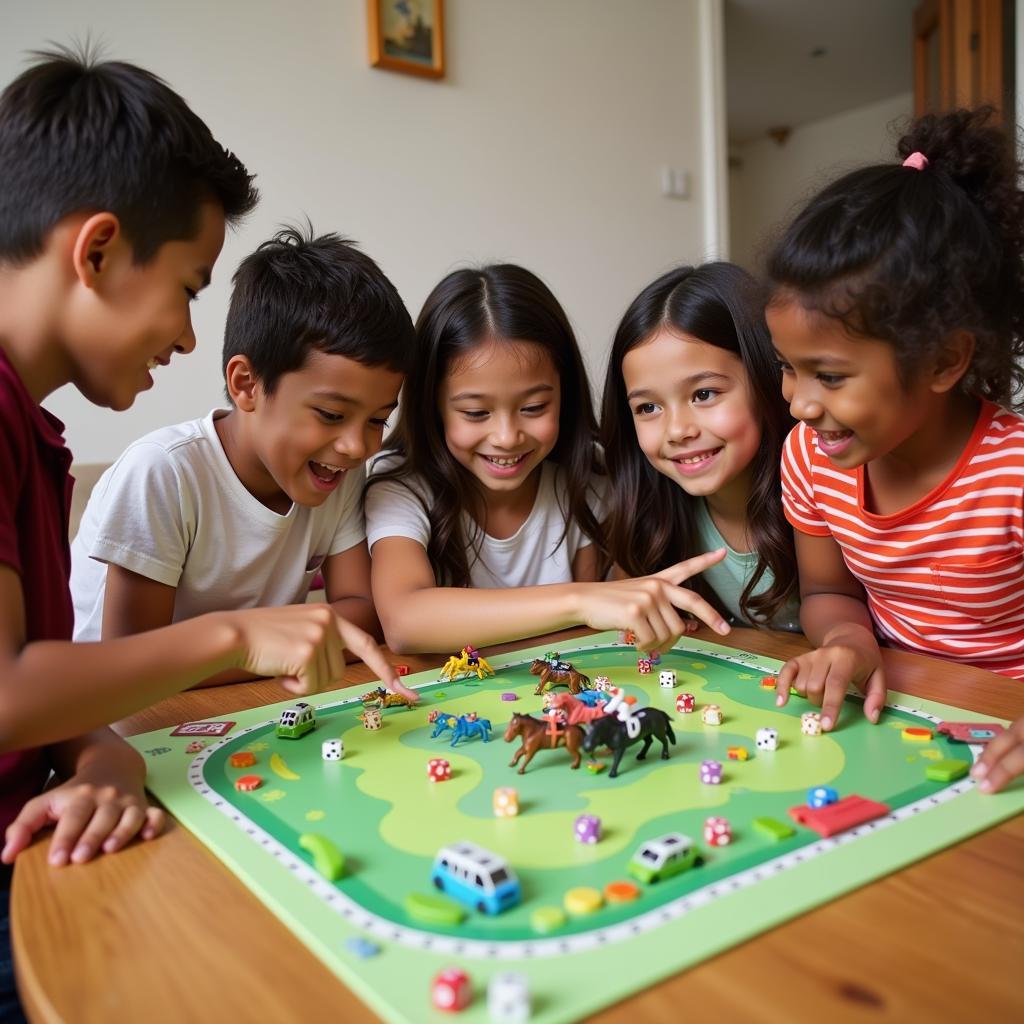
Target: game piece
711 772
295 721
451 990
553 673
476 877
247 783
280 768
583 900
686 703
767 739
768 682
947 771
203 729
429 908
467 662
332 750
508 998
505 802
717 832
596 767
810 723
664 857
576 710
643 666
655 657
402 670
535 735
587 828
361 947
432 716
916 734
627 636
371 719
509 695
439 770
602 683
588 698
613 732
547 919
845 814
821 796
621 892
327 858
711 714
195 747
464 727
440 696
667 679
966 732
772 828
737 753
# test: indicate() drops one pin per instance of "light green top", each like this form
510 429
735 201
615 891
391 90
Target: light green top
730 576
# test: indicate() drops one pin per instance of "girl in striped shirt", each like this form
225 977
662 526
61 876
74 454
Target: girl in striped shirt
898 317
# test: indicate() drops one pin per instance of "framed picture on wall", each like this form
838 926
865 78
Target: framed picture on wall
407 35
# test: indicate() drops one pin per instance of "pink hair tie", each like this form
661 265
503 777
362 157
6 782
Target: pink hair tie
917 160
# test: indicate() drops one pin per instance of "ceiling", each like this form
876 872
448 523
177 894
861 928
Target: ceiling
773 80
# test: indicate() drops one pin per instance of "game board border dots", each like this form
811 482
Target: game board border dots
383 929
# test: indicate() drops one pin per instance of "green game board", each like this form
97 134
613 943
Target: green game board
379 808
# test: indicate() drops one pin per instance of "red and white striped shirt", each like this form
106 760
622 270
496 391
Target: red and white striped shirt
945 576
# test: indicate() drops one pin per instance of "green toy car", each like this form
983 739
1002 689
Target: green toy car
296 720
664 857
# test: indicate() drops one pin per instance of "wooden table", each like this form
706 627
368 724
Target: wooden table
163 932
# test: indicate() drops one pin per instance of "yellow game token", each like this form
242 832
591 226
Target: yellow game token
547 919
621 892
583 900
917 735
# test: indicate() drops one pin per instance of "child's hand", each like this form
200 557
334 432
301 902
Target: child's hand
1002 761
850 655
399 687
647 605
305 645
95 810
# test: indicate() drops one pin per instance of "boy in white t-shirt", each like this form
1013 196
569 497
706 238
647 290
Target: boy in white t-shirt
244 507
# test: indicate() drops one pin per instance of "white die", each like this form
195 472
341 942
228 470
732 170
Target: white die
508 998
810 723
767 739
667 679
332 750
711 714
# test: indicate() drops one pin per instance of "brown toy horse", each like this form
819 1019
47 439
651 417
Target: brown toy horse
559 673
535 735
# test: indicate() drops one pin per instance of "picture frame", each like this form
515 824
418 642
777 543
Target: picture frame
407 36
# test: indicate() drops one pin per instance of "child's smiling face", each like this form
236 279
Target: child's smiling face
692 409
500 407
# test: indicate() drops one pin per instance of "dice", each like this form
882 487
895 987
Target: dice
711 772
508 998
767 739
686 703
667 678
643 666
821 796
717 832
195 746
451 990
711 714
438 770
602 683
587 828
402 670
332 750
505 802
371 718
810 723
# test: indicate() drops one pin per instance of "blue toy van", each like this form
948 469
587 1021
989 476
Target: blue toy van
476 877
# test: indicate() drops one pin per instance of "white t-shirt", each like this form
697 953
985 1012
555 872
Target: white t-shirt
532 556
172 509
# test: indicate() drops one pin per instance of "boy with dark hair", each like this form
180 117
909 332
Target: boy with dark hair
112 213
243 507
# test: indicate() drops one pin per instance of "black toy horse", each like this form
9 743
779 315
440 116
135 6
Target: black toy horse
611 732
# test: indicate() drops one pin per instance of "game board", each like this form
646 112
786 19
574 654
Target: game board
379 807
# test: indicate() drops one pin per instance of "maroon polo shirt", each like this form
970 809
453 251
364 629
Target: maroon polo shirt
35 502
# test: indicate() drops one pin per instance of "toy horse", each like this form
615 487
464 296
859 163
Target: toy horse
466 728
578 712
564 675
611 732
535 734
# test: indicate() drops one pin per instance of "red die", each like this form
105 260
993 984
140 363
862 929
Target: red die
717 832
686 703
643 666
402 670
451 990
438 770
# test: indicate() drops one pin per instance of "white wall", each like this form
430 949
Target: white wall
543 146
770 182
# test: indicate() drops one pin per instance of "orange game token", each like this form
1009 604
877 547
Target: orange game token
247 783
768 682
621 892
244 759
917 735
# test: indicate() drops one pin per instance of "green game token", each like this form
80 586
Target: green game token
430 909
771 828
946 771
327 858
547 919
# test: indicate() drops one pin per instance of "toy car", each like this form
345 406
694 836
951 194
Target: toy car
476 877
296 720
661 858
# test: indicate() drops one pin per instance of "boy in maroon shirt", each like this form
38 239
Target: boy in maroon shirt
112 213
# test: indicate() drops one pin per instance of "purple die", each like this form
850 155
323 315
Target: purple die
711 772
587 828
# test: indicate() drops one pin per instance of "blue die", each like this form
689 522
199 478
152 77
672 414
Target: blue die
821 796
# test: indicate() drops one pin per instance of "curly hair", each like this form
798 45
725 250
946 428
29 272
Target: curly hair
910 256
